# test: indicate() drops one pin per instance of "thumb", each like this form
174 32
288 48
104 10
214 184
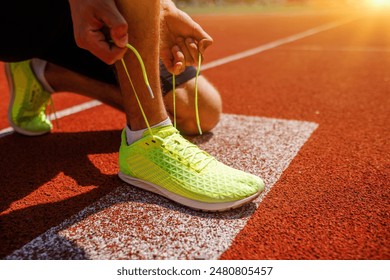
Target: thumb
204 44
119 34
118 28
204 39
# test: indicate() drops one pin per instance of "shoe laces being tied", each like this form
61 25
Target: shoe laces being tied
145 76
186 152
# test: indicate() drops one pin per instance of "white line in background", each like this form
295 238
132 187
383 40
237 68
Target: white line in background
277 43
60 114
314 48
75 109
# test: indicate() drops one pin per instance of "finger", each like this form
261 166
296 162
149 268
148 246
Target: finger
204 44
167 60
183 47
202 37
108 54
105 51
116 54
178 60
118 26
119 35
193 49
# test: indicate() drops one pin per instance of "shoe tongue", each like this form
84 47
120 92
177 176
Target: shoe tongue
161 131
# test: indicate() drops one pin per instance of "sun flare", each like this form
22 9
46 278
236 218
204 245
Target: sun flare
379 3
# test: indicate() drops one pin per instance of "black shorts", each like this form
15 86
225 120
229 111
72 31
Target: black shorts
43 29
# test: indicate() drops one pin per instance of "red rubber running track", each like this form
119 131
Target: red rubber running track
308 110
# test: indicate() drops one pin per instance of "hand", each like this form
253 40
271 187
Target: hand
181 39
94 23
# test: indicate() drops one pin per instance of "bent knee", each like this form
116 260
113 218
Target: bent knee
209 106
207 121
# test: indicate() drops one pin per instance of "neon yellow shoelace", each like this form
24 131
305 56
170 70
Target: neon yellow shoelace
198 158
196 95
145 76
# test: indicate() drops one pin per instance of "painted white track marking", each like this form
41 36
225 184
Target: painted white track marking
315 48
277 43
130 223
60 114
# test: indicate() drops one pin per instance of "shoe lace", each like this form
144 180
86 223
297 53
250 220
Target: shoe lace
186 151
134 50
196 95
145 76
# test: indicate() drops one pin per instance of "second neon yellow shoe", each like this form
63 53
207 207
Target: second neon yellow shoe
167 164
28 100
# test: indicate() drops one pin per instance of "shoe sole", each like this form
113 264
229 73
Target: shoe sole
194 204
11 103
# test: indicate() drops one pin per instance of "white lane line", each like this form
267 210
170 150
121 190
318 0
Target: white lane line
60 114
277 43
338 49
130 223
75 109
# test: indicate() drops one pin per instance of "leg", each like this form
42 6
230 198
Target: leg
209 100
210 104
162 161
71 81
144 30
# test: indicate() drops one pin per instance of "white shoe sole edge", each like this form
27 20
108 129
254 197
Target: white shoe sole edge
197 205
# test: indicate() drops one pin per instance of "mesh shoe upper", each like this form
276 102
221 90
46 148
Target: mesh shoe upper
28 102
168 160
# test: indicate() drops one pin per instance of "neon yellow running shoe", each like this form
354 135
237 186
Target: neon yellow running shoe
28 100
167 164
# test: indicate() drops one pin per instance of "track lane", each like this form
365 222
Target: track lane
331 203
